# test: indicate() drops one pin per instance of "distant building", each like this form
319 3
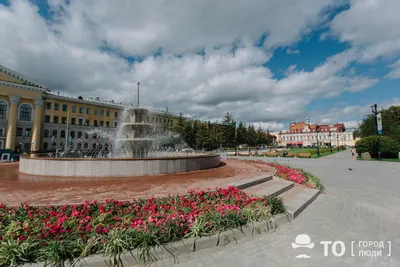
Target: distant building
306 135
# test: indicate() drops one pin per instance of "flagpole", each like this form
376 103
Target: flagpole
67 134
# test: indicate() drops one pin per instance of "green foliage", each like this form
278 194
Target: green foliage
276 204
390 124
389 146
313 180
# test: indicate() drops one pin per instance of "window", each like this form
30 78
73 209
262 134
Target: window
95 123
25 113
79 134
147 118
95 136
48 105
94 146
107 123
81 109
62 134
1 131
55 119
3 110
64 107
102 112
96 112
88 111
45 146
108 113
73 121
56 106
115 114
157 120
72 134
63 120
47 119
55 133
86 136
101 123
28 132
115 124
79 146
85 145
73 109
46 133
19 131
152 119
87 123
80 121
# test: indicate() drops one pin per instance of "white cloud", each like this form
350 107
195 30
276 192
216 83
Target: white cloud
395 73
141 27
372 26
69 55
290 51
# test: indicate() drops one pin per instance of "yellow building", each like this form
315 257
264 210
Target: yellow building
33 118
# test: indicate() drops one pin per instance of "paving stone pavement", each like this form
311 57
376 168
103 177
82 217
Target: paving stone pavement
362 204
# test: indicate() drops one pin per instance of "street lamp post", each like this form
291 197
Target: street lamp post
374 110
138 85
316 129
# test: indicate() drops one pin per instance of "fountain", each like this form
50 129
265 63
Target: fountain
133 133
131 155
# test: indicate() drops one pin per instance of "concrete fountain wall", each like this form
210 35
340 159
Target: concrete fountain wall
116 167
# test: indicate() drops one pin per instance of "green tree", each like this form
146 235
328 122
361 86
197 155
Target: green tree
390 124
261 138
228 130
179 127
202 135
251 135
241 133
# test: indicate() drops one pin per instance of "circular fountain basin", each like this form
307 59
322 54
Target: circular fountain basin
117 167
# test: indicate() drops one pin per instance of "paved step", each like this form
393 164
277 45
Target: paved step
272 188
253 181
297 199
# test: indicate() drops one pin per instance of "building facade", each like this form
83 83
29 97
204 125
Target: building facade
33 118
311 135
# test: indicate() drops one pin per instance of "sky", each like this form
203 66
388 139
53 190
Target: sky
267 62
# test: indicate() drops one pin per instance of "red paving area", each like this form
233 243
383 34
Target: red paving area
16 188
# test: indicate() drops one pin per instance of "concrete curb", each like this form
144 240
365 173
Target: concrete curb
185 246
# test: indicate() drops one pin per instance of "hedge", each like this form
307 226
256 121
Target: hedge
389 147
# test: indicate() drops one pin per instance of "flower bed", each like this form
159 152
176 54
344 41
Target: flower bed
296 175
64 233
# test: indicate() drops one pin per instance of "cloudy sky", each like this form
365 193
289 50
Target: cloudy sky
268 62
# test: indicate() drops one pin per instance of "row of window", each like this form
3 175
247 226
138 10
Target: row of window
320 137
82 110
80 134
80 121
25 111
78 146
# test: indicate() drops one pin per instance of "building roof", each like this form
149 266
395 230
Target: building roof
24 79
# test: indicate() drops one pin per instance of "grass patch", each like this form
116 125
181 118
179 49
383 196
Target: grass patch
386 160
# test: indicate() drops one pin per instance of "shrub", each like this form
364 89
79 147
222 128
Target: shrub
276 204
389 147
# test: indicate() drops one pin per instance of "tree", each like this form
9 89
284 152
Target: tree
229 129
389 146
202 135
261 140
241 134
390 124
179 127
251 135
